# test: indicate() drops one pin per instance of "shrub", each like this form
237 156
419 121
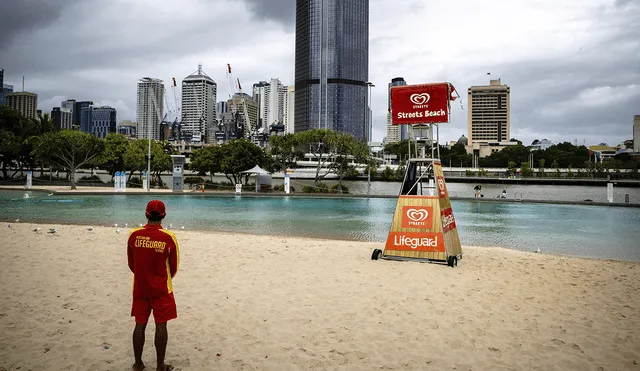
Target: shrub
191 180
134 182
339 188
90 179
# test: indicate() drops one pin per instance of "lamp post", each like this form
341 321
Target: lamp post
369 130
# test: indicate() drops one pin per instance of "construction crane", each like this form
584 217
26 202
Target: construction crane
251 130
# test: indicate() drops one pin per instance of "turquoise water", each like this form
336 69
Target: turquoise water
576 230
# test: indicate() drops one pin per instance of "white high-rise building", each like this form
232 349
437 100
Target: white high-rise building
270 97
199 93
150 107
289 109
393 131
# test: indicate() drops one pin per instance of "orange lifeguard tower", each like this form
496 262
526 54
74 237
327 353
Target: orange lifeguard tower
423 226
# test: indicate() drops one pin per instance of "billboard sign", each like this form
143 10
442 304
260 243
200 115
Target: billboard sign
420 104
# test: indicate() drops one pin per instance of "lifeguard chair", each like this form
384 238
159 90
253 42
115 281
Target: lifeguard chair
423 226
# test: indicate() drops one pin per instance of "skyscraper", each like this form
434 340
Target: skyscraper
1 86
150 107
636 133
23 102
199 95
488 114
395 133
289 104
332 65
103 121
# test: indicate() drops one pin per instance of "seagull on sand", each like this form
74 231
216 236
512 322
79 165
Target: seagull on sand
90 229
538 250
9 225
51 230
182 227
140 225
117 230
37 230
126 224
17 220
116 225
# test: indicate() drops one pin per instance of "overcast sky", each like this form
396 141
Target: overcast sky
573 66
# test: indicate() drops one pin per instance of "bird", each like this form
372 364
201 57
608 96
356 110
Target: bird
90 229
51 230
116 225
37 230
140 225
182 227
117 230
50 194
17 220
9 225
126 224
170 225
538 250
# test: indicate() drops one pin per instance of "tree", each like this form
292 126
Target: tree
347 148
284 149
161 161
135 156
541 162
15 129
112 159
400 149
628 143
526 169
320 143
206 159
240 155
69 149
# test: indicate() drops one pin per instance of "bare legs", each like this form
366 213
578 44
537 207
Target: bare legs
138 345
161 345
160 342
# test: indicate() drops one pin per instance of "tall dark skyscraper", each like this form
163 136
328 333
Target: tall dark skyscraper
332 65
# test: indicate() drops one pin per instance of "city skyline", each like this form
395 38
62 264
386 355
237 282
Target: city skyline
572 70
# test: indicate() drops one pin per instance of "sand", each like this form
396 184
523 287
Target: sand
275 303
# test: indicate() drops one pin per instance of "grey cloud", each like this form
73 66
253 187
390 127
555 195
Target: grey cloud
282 11
23 16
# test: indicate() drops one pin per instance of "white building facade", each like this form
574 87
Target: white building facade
150 108
199 94
289 110
270 97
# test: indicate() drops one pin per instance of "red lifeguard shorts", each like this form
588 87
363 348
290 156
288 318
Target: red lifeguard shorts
164 309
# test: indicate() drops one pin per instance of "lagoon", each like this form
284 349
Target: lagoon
576 230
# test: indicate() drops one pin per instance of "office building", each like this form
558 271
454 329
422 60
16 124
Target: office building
127 128
236 118
62 118
24 102
221 109
332 65
78 107
1 86
488 115
289 110
199 95
103 121
636 133
150 108
270 97
395 133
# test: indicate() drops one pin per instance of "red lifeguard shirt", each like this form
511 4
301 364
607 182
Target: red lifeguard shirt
154 258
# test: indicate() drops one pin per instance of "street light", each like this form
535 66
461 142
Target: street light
369 129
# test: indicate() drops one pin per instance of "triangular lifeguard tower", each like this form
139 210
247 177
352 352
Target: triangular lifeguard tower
423 226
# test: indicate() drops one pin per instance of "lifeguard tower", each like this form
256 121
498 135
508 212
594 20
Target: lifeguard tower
423 227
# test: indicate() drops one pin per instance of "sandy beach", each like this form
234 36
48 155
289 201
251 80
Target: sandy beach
275 303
